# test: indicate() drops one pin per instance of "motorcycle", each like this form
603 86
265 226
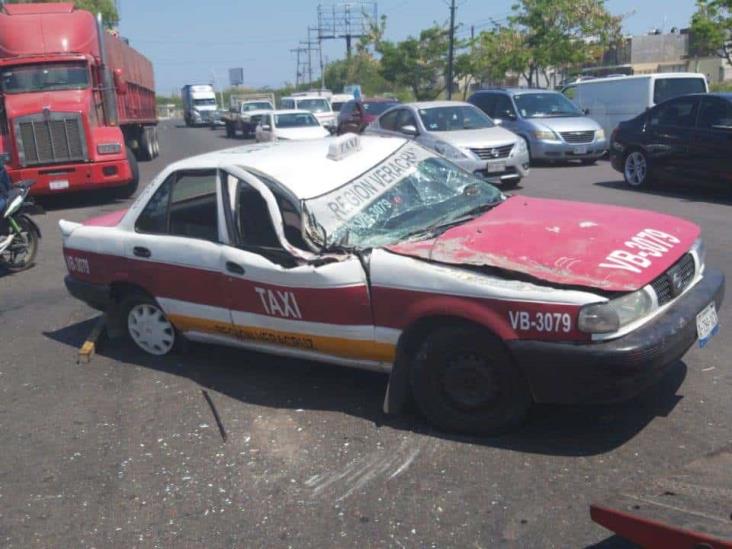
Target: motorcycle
19 234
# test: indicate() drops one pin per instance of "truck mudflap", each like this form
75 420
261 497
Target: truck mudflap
688 509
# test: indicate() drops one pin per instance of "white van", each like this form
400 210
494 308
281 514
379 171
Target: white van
610 101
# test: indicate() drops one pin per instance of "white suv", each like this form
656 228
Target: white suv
319 105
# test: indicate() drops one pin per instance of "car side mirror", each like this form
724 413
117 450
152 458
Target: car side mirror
119 82
409 129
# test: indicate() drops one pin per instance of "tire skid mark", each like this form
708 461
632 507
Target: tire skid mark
386 464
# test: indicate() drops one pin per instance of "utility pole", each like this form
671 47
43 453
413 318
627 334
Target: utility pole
299 71
451 51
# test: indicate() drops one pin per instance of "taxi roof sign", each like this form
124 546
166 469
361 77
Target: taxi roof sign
344 146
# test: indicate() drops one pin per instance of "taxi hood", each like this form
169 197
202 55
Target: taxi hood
562 242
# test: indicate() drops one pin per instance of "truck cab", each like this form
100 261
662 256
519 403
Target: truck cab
64 120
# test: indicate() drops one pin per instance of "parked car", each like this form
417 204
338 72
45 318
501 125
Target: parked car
289 124
689 137
553 128
379 253
355 115
337 100
317 104
610 101
463 134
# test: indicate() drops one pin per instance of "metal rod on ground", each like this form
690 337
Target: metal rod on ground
215 414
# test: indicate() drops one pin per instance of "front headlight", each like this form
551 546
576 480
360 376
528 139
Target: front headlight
545 135
448 151
520 147
599 134
603 318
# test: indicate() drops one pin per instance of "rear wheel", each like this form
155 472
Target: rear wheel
21 253
146 324
635 169
156 142
464 380
146 148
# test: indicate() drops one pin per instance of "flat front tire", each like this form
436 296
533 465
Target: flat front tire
464 380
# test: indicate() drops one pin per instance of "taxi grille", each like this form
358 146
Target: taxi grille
674 281
50 140
491 153
579 137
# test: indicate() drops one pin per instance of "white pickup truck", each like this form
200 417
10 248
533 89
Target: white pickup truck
245 113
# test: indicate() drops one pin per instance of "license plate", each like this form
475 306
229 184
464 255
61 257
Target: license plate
580 150
707 324
494 167
58 184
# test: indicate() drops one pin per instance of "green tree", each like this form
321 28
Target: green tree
417 63
561 34
105 7
711 28
497 52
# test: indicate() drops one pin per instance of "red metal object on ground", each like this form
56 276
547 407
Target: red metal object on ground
689 509
73 98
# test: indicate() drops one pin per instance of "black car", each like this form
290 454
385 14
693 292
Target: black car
686 138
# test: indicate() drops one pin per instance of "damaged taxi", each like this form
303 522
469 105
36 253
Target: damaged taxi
377 253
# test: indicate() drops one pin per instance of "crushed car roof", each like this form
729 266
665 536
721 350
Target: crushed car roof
304 167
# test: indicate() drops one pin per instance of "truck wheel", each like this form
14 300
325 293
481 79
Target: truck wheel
146 324
129 189
156 143
145 149
464 380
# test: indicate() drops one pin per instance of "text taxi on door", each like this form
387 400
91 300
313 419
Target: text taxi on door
377 253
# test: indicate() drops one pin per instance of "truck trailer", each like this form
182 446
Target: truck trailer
77 103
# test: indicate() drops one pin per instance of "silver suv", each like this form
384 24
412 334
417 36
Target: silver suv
551 125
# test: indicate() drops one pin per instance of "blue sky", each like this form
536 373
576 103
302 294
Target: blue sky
192 41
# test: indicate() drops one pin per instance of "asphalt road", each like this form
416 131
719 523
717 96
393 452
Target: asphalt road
124 451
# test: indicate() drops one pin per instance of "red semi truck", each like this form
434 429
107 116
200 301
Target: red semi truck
77 104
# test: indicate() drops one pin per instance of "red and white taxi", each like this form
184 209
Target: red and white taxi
377 253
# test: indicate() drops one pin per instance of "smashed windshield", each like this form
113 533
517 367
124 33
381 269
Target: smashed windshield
411 193
459 117
545 105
